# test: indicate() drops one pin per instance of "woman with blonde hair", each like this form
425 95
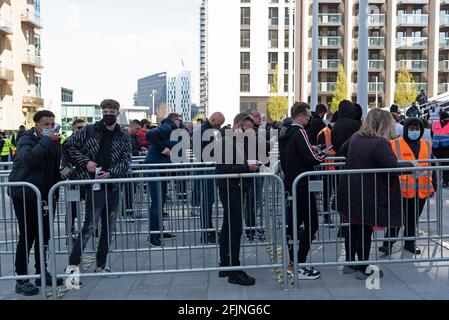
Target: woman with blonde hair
368 200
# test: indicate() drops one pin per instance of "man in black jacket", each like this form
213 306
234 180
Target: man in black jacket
316 124
299 156
103 145
231 191
37 162
349 122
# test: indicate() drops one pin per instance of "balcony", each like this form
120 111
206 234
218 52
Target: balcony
33 60
32 102
412 65
5 26
330 42
331 64
326 87
32 20
412 43
376 42
443 88
444 43
413 20
374 87
330 19
444 20
444 66
374 65
376 20
6 74
413 1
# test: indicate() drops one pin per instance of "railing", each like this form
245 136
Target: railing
6 26
412 42
327 86
376 64
443 87
412 65
329 64
330 41
330 18
444 42
444 65
413 19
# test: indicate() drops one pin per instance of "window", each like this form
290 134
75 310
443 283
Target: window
286 61
245 38
271 82
287 16
285 82
272 60
245 1
286 38
245 16
273 16
273 38
245 61
245 83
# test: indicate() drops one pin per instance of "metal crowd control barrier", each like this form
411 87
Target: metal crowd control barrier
139 248
10 231
349 186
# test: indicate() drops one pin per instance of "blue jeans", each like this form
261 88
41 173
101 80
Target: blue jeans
100 205
158 194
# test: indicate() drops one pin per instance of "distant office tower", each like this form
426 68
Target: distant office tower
153 85
403 34
20 67
179 94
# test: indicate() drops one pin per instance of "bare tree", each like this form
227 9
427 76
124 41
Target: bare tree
163 111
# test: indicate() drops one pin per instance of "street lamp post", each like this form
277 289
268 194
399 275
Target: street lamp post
315 44
153 94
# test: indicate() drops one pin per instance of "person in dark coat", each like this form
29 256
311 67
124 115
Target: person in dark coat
316 124
349 122
37 162
368 200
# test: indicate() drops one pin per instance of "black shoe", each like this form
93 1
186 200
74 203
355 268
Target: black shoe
241 278
169 236
223 274
155 241
251 235
343 232
209 238
49 282
386 249
445 185
413 249
26 288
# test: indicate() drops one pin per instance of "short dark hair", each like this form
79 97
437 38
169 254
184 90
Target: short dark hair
22 127
238 118
172 116
77 122
321 108
110 104
137 122
42 114
299 108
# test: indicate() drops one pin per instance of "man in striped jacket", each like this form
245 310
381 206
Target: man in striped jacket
106 147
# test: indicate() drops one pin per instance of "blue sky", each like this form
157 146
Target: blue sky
99 48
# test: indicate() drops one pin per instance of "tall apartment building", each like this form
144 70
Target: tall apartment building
204 75
246 41
20 62
175 92
403 34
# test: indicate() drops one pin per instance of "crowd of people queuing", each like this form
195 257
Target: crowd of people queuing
104 150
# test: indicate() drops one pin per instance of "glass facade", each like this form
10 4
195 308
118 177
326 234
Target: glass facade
90 113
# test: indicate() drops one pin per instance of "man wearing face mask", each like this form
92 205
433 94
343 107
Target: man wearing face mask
103 145
416 189
440 142
37 162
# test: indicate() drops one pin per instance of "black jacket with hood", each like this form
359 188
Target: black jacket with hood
349 122
297 156
314 128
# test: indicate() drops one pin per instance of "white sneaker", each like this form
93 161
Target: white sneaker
305 273
73 281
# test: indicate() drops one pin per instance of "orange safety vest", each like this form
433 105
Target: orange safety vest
328 142
403 152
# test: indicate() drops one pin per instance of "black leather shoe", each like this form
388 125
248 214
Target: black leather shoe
155 241
49 282
386 249
413 249
26 288
223 274
169 236
241 278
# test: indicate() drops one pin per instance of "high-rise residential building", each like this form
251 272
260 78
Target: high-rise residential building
179 95
20 62
403 34
174 92
246 42
204 102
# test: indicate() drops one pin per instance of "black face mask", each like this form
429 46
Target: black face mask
109 119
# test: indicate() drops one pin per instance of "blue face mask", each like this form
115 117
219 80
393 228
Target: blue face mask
414 135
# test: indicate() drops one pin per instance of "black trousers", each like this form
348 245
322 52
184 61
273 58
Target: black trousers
231 231
308 215
358 242
442 153
26 213
5 159
412 210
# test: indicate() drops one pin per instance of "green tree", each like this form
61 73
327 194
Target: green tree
199 116
341 89
406 90
277 104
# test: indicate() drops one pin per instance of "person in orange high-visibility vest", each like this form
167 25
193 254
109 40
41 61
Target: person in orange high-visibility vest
416 188
325 139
